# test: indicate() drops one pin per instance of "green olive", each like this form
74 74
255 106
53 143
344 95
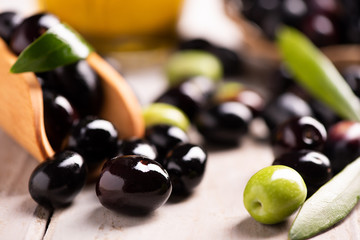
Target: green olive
228 91
163 113
190 63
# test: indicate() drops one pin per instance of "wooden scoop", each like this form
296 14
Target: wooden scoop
21 104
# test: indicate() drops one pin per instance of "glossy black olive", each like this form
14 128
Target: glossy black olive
59 117
196 43
165 137
284 107
133 185
30 29
8 22
352 76
224 123
186 166
323 113
230 60
57 181
299 133
314 167
95 139
294 11
137 146
79 83
187 96
343 144
320 29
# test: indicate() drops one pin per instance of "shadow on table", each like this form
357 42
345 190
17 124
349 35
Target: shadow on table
104 218
250 228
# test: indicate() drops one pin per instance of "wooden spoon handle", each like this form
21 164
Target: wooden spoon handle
21 107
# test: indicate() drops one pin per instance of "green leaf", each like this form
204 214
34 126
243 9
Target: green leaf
315 72
330 204
58 46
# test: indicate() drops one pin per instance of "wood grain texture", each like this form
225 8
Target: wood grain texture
21 107
20 217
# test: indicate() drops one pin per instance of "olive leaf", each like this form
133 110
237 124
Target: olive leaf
58 46
315 72
329 205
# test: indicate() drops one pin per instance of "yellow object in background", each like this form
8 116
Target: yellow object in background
112 25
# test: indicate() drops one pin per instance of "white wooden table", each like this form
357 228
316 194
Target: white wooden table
214 211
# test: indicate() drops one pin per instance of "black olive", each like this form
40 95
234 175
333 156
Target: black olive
137 146
8 22
185 164
314 167
95 139
57 181
59 117
224 123
30 29
133 185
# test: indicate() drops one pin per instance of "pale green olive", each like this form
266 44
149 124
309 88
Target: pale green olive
163 113
274 193
190 63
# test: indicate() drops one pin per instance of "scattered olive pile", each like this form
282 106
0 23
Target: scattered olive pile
304 134
132 178
325 22
138 175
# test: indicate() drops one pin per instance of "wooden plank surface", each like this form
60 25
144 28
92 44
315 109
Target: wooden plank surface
214 211
20 217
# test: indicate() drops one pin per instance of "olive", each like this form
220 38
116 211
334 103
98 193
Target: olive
137 146
59 117
195 43
230 60
323 113
284 107
191 63
352 76
30 29
293 12
224 123
55 182
186 96
185 164
343 144
95 139
164 113
165 137
79 83
320 29
299 133
314 167
281 81
236 91
8 22
133 185
330 8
